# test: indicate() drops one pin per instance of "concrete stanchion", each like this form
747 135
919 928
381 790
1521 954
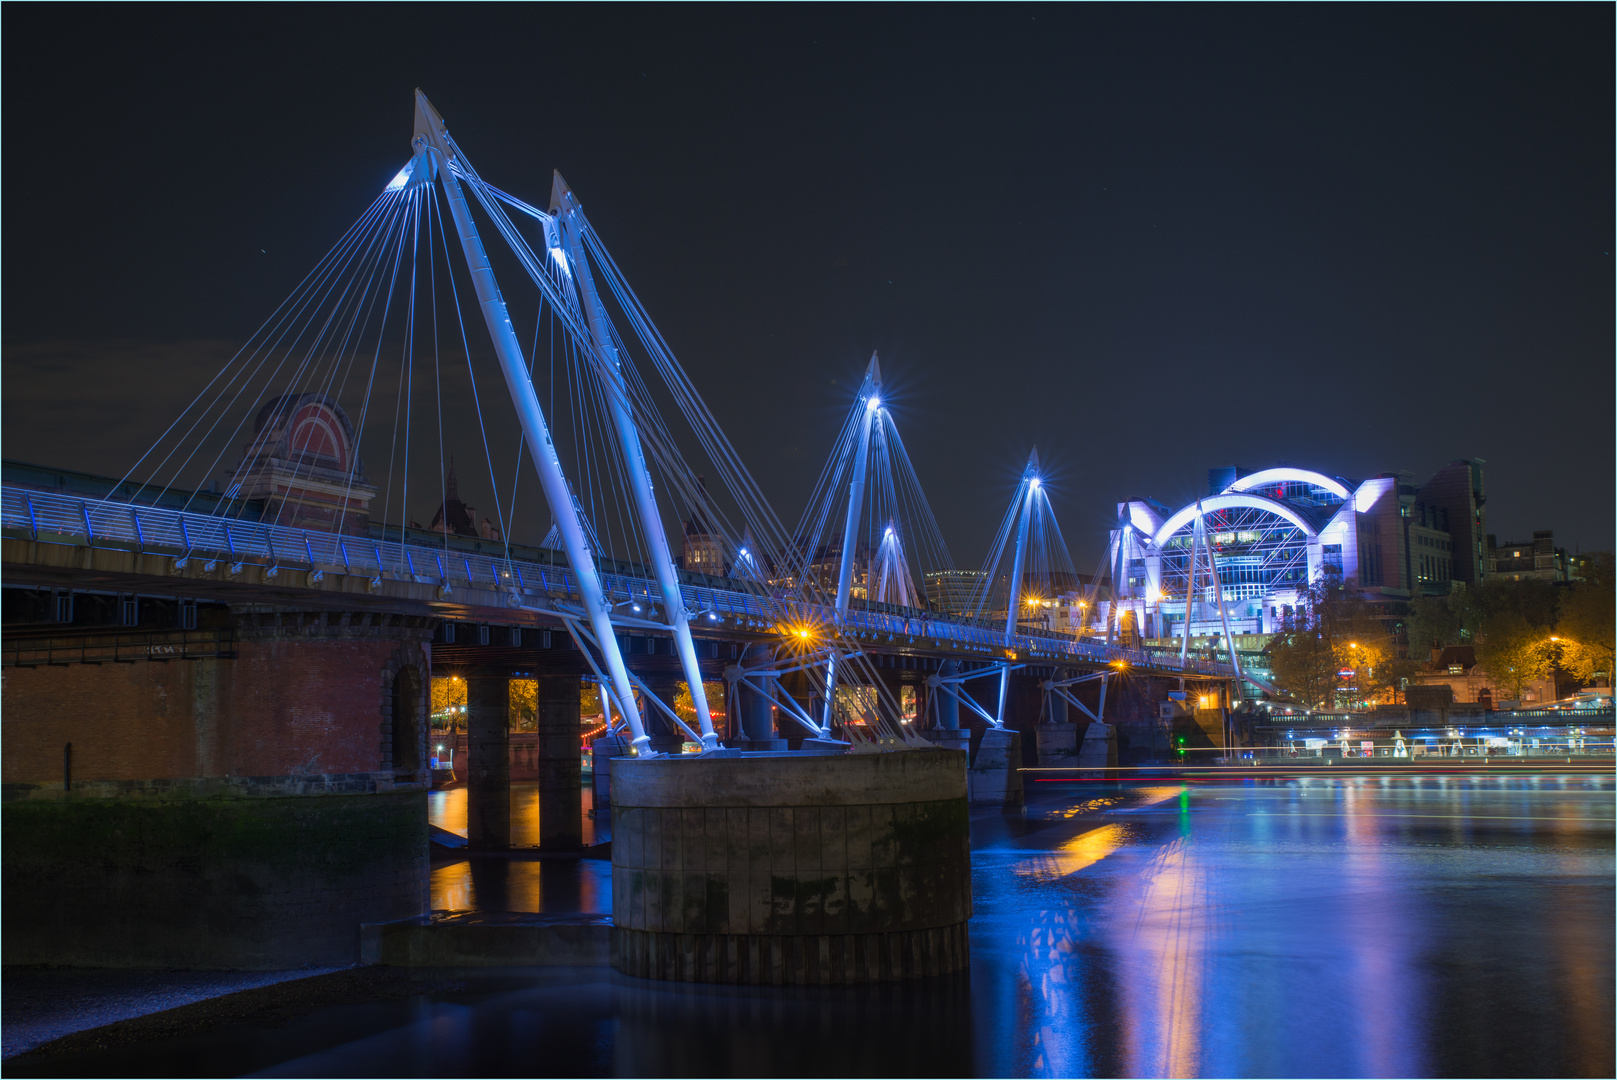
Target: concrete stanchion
1057 745
1099 750
995 776
792 869
561 814
488 780
602 751
758 719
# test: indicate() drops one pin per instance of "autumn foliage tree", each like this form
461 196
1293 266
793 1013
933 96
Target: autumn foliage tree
1333 629
1514 652
1586 621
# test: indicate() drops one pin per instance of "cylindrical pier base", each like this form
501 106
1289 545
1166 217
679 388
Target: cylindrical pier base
819 869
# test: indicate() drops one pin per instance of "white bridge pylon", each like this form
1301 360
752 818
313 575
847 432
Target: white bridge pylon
1028 491
869 400
868 513
1038 560
437 156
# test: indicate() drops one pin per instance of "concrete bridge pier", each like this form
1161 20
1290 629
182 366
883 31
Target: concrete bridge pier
1099 749
758 727
995 775
488 743
1057 735
561 809
797 869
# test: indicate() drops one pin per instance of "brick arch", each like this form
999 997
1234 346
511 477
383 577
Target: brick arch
409 664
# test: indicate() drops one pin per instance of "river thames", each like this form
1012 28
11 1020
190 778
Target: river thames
1401 926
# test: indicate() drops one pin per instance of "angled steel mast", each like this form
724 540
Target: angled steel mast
570 215
1028 491
870 394
431 142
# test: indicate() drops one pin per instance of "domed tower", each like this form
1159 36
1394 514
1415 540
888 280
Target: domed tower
303 464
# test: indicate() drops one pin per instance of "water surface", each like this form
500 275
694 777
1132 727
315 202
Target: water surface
1400 926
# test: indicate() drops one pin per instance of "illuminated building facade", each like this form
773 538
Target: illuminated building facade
1274 532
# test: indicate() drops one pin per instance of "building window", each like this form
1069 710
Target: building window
1332 558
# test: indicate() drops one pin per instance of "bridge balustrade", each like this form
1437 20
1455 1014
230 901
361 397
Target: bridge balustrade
48 517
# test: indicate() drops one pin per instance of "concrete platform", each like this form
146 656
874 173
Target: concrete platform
489 939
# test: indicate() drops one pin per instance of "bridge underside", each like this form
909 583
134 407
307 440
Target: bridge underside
252 585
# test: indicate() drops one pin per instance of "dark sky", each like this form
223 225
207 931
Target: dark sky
1147 239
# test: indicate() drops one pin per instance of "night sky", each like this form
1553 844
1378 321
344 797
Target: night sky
1148 239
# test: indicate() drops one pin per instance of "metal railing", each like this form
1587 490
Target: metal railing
48 517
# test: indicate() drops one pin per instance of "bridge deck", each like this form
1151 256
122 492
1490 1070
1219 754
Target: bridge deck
171 542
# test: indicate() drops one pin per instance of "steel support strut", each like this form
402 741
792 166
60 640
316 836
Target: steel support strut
569 213
870 394
432 138
1190 588
1028 491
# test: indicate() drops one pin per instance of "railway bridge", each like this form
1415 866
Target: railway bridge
217 701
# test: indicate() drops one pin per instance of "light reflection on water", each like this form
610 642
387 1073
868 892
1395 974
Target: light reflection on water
1313 927
447 810
1356 926
516 884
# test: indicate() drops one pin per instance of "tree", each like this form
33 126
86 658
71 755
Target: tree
448 701
589 703
1587 615
1333 629
685 705
523 705
1513 652
1434 622
1301 660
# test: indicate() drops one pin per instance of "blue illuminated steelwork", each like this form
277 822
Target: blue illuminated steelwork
870 392
567 210
432 137
1026 492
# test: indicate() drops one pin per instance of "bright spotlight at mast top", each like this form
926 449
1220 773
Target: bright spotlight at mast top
1034 483
873 403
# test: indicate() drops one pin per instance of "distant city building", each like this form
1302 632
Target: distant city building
1275 532
303 466
703 549
455 517
1452 675
952 591
1537 560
